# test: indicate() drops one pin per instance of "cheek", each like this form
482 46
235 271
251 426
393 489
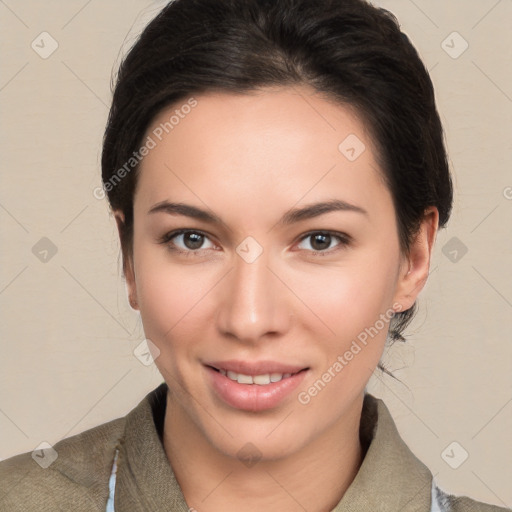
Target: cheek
356 305
172 314
354 302
168 296
350 297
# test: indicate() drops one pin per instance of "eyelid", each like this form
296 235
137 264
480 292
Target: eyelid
167 237
345 240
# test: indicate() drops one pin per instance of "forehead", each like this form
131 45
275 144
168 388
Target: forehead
275 142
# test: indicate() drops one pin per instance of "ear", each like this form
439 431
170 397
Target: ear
415 266
128 270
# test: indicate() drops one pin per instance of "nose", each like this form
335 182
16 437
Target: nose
254 303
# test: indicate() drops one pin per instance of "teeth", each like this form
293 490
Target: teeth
260 380
244 379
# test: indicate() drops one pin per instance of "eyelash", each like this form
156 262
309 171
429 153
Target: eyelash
344 239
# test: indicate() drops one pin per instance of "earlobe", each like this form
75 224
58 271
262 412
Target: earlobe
128 271
416 266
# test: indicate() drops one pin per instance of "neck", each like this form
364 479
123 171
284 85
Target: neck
313 478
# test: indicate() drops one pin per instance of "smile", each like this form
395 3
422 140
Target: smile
254 386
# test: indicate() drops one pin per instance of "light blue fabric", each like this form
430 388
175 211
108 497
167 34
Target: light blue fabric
436 505
112 486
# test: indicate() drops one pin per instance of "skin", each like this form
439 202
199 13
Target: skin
248 159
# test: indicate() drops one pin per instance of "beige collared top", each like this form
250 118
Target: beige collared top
85 478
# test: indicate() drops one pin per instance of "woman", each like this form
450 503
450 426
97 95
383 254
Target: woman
278 177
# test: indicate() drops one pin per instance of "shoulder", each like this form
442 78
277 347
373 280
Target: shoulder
72 474
444 502
392 467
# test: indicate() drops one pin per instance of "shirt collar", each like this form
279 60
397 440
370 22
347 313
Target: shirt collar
390 478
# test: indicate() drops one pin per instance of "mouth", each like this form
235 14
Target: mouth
254 386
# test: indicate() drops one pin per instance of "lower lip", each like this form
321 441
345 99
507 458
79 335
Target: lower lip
253 397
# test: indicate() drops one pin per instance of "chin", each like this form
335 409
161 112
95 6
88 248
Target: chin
250 448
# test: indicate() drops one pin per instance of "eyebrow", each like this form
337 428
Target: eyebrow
290 217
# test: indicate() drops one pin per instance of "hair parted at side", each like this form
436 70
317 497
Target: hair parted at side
348 50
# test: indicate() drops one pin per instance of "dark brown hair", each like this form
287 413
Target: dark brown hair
348 50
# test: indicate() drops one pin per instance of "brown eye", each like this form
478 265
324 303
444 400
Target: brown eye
193 240
321 241
187 241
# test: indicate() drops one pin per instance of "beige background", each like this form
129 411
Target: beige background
67 331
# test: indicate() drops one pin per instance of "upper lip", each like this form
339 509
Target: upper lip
255 367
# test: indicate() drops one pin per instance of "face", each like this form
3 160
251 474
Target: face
266 267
